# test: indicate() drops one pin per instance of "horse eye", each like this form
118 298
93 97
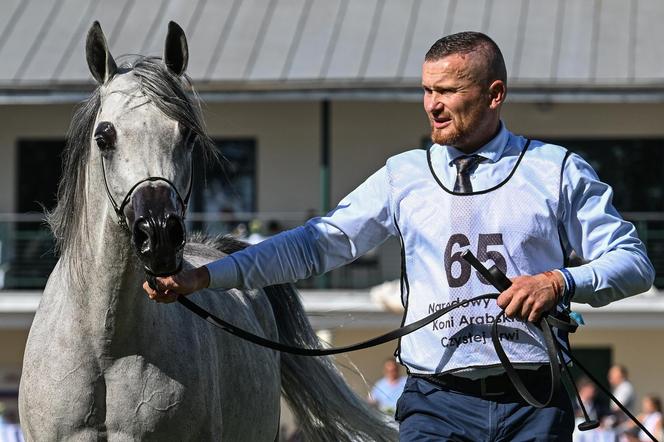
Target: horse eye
105 135
101 143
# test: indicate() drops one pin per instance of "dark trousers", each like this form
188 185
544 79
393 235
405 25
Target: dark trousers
429 412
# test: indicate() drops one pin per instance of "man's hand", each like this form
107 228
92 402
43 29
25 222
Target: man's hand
183 283
530 297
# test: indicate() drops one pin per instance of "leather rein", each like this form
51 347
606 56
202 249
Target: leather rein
493 275
500 281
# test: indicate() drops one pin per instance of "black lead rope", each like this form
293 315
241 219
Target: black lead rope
394 334
274 345
500 281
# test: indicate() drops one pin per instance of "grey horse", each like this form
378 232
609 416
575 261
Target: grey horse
102 362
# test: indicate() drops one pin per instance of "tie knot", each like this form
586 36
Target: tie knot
465 163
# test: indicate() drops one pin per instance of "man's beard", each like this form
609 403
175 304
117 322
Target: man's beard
462 130
448 138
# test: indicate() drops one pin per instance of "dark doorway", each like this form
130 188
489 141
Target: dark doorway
29 254
39 169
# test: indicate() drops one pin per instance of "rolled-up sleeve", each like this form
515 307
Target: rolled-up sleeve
617 265
359 223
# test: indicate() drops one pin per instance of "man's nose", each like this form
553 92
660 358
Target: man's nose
435 104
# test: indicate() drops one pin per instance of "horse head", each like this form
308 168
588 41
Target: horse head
144 135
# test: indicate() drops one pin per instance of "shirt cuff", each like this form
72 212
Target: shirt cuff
583 279
224 273
569 287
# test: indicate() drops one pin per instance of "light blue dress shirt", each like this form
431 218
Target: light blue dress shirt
386 394
616 262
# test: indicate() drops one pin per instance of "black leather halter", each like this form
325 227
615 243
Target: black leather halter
119 210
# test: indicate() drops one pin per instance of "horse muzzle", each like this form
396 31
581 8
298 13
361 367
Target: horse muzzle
158 232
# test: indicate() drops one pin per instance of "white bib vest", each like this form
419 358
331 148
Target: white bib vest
513 225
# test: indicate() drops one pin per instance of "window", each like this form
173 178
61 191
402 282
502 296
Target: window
227 188
633 168
28 247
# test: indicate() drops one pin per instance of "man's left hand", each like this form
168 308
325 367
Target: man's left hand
530 297
184 283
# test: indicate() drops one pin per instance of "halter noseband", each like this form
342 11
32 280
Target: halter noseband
119 210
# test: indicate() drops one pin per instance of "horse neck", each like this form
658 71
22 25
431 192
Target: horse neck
110 276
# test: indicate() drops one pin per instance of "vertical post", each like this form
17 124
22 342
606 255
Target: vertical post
325 156
323 281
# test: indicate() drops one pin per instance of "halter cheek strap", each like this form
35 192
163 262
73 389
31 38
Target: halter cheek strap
119 210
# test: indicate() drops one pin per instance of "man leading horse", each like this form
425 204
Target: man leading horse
522 204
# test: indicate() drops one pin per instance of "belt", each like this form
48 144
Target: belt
490 386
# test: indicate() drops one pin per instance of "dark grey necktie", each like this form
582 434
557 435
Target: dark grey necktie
465 165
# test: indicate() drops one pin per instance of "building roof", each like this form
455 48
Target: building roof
558 47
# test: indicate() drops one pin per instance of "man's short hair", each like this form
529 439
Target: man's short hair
583 381
467 42
390 360
622 369
656 401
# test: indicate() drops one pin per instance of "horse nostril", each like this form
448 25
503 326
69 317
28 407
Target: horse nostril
175 231
142 236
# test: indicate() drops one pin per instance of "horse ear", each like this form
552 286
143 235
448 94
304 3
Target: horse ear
176 51
100 61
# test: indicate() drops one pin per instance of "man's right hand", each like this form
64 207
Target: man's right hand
529 297
183 283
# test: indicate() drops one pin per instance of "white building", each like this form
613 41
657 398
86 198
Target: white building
308 97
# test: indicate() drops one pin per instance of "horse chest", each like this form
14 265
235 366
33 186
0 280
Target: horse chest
145 401
95 384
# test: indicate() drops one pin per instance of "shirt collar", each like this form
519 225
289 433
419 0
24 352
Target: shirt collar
492 151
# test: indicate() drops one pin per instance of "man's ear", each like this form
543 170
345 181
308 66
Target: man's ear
497 93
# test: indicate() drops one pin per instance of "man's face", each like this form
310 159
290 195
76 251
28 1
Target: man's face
615 376
456 99
648 405
391 370
587 392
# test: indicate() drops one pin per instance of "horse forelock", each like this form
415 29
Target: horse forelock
174 96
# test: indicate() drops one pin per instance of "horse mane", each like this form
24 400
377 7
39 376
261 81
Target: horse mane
65 220
226 244
172 95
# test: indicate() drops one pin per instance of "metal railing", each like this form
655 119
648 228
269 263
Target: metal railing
27 248
27 253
